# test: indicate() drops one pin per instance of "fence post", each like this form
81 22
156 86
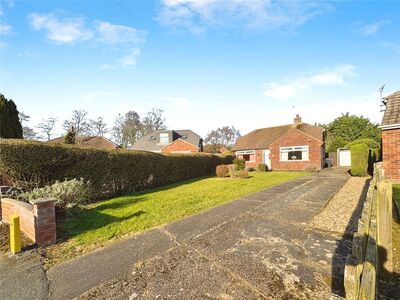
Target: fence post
384 220
15 234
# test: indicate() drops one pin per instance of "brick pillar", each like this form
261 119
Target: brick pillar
45 220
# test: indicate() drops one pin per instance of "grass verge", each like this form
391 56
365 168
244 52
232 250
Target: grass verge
98 224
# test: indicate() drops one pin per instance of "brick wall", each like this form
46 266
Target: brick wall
391 153
180 146
37 219
255 159
295 137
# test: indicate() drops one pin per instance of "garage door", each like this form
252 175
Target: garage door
344 158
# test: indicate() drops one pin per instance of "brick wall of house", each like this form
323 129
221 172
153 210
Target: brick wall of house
255 159
37 219
295 137
180 146
391 153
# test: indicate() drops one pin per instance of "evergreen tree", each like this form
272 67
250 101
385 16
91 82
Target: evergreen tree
70 136
10 125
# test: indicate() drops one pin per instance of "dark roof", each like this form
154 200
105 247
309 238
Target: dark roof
392 111
98 142
264 137
151 141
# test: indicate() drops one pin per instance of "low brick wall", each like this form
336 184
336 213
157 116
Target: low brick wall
37 218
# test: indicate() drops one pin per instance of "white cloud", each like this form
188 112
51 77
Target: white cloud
5 29
392 45
61 29
96 95
196 15
178 101
300 86
65 29
372 28
118 34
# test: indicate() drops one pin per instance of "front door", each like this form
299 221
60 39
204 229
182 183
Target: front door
266 159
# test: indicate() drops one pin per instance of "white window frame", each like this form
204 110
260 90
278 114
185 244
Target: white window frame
294 148
164 135
245 152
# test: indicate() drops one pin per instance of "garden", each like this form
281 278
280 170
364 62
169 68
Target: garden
106 195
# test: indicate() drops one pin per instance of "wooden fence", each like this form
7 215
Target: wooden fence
372 243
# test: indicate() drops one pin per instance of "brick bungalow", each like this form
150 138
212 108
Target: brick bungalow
288 147
391 137
98 142
170 141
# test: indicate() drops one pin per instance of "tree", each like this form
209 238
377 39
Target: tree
27 132
153 121
98 127
70 136
79 122
349 128
10 125
222 137
127 129
47 127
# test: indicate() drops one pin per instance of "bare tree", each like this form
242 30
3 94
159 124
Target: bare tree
79 121
127 129
153 121
27 132
98 127
225 136
47 126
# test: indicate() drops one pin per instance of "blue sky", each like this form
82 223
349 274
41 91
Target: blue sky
206 63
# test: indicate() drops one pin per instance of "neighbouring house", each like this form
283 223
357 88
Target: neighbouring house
391 137
98 142
170 141
294 146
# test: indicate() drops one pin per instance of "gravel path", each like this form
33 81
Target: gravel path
341 213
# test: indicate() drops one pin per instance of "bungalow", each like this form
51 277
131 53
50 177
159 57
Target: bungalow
170 141
98 142
391 137
288 147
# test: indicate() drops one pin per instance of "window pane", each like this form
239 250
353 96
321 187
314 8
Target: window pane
284 156
295 155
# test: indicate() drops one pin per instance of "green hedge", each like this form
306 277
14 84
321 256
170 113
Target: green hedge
359 159
115 172
373 144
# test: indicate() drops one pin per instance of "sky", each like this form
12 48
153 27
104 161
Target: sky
206 63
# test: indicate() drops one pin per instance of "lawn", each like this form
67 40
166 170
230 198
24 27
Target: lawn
98 223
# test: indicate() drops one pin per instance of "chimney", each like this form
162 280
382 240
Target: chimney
297 120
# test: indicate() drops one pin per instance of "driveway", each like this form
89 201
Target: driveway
257 247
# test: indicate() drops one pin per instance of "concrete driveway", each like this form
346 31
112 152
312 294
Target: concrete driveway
257 247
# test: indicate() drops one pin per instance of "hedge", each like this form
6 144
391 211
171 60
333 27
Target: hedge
29 164
359 159
371 143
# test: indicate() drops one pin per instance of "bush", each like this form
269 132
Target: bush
240 163
31 164
372 144
262 168
68 193
359 159
232 168
240 174
250 169
222 171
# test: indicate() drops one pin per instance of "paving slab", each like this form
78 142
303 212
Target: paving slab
73 278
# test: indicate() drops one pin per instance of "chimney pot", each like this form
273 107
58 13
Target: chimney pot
297 119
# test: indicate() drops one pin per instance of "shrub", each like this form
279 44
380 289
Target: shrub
250 169
68 193
372 144
222 171
311 168
110 172
262 168
240 163
240 174
359 159
232 168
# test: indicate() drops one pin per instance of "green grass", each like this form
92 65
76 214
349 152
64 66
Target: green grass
97 223
396 197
